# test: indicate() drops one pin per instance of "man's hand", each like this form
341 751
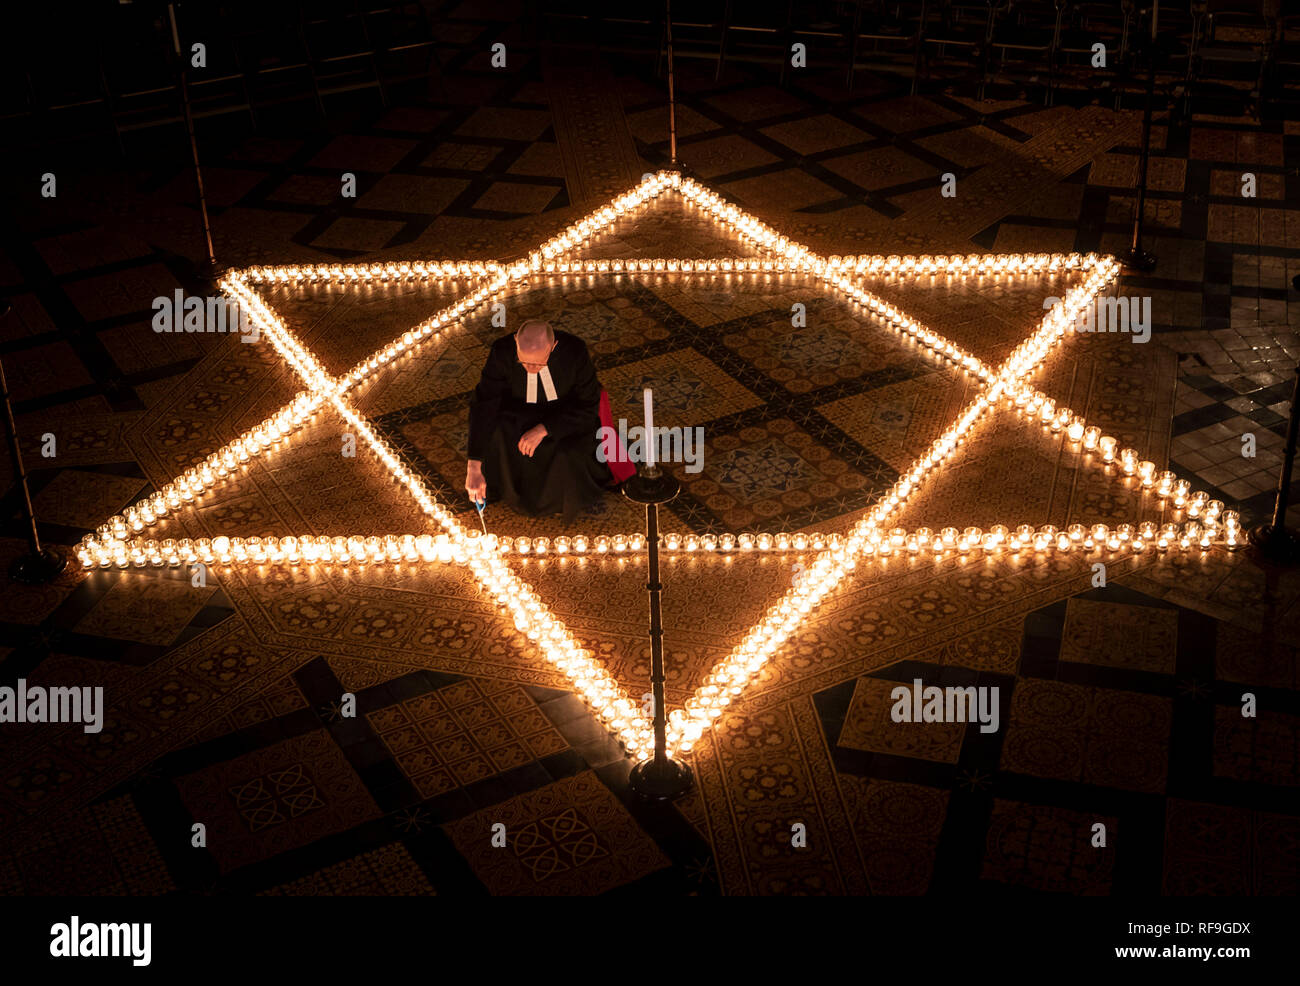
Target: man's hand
531 439
475 484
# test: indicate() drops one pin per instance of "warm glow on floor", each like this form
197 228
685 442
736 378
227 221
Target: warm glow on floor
1204 523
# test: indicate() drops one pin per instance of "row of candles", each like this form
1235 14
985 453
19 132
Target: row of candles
891 266
1217 528
541 262
107 547
837 555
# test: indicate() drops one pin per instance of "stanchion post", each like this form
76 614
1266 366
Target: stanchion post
1275 541
659 778
210 272
41 564
672 95
1138 258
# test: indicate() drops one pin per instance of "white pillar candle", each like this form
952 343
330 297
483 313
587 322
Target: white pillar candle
649 430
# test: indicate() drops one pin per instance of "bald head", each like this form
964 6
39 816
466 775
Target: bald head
534 341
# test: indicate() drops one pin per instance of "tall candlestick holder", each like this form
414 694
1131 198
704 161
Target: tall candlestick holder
1138 258
1275 541
209 272
659 778
42 563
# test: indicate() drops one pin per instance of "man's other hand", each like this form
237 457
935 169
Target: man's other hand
531 439
475 484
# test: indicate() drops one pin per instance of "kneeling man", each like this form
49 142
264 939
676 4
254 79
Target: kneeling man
533 424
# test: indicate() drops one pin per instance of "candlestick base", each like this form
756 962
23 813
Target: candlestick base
660 780
209 274
1140 260
651 485
1279 545
38 569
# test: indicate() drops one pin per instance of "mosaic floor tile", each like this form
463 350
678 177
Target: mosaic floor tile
104 849
267 802
1138 637
152 611
1094 735
572 836
1048 849
898 827
870 726
443 742
1218 850
1261 749
386 872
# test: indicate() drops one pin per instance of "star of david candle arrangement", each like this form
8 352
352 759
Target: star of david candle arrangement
1191 520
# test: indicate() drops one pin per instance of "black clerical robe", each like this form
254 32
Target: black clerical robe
563 474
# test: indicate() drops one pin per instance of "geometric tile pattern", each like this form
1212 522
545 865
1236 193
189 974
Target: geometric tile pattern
1069 732
386 872
451 737
1116 635
868 726
1044 849
275 799
572 837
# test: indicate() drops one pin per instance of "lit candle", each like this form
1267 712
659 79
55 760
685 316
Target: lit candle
649 430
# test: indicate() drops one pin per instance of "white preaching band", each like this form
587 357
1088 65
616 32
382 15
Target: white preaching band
547 385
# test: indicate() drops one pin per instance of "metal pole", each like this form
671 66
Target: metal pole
40 564
656 636
660 777
1138 258
16 457
212 270
1274 540
672 99
1284 481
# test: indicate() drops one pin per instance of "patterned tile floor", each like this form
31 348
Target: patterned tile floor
1120 705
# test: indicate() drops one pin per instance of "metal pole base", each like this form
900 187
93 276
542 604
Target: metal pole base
651 486
661 780
1279 545
38 569
1140 260
209 272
